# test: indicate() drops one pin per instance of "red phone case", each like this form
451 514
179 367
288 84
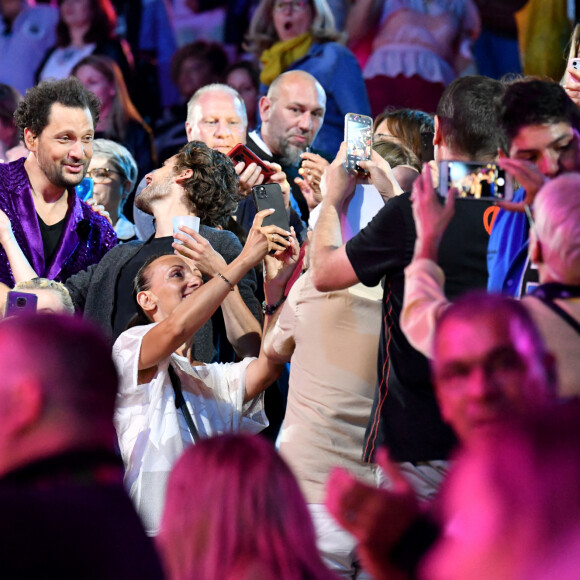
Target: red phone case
242 153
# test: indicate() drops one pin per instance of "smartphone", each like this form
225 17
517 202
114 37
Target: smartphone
475 180
85 188
242 153
20 303
269 195
358 134
427 149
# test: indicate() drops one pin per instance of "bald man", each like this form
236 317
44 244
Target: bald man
292 114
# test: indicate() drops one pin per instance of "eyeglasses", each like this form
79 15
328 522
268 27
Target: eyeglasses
295 5
101 174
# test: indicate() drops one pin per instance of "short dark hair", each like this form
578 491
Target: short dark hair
211 53
74 366
529 102
33 111
467 116
212 190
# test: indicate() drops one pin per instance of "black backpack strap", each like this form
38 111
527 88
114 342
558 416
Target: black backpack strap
560 312
180 403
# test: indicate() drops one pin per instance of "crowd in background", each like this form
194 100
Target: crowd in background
376 380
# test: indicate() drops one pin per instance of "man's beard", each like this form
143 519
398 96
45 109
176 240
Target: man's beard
290 154
151 193
56 175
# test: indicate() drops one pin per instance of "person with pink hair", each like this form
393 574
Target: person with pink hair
234 510
512 505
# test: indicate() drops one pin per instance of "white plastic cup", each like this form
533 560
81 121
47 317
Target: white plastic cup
189 221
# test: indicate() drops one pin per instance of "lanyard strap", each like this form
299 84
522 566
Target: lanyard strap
180 403
560 312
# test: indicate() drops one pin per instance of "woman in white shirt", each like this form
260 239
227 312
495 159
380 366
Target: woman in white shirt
175 303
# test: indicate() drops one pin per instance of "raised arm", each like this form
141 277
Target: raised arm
164 338
242 328
264 370
19 264
331 268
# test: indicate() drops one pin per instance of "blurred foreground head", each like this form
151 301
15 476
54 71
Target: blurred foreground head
234 510
490 364
57 388
512 504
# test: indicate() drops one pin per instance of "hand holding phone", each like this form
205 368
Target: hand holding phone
358 134
240 153
270 196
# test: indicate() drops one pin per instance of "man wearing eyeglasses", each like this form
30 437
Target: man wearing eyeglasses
58 234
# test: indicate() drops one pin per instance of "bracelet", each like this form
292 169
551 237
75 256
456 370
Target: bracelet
271 308
226 281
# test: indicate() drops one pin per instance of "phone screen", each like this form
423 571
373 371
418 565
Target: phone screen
475 180
359 140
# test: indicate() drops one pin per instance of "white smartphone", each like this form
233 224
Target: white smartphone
475 180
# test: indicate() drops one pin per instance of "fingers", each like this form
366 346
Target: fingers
338 489
276 167
313 158
192 233
259 217
367 165
250 176
392 471
278 241
515 206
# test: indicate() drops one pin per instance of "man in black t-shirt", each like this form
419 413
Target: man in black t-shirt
405 414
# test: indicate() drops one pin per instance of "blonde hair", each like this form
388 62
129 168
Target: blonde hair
216 88
53 286
262 34
120 157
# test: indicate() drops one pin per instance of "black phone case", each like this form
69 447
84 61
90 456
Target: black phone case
269 195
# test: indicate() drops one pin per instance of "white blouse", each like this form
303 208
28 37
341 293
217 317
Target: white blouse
152 433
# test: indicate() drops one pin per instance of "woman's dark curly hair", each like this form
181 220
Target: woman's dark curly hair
103 24
33 111
212 190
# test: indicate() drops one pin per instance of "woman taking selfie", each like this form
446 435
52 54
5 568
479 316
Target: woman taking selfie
155 364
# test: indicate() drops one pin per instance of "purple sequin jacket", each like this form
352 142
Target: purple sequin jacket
86 237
